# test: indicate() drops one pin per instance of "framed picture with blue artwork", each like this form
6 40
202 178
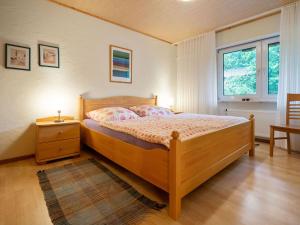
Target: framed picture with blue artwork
120 64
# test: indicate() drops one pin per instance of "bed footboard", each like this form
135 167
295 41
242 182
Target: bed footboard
194 161
151 165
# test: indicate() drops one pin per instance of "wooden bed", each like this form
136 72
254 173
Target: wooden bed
180 169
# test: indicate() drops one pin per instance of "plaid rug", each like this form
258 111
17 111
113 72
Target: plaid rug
88 193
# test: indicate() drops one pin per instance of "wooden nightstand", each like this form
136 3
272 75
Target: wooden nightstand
56 140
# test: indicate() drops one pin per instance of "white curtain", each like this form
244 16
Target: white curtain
196 75
289 78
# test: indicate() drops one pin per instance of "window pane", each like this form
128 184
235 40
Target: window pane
273 67
240 72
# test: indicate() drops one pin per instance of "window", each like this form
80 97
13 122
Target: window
240 72
249 71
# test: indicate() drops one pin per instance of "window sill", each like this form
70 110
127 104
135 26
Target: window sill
254 101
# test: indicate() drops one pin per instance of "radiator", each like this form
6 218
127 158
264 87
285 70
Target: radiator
263 119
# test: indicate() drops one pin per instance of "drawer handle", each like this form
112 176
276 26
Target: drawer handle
60 132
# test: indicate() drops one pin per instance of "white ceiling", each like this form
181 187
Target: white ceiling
173 20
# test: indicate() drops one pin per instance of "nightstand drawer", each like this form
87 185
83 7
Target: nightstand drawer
58 148
55 133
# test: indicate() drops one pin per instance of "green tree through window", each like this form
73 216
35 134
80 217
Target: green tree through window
273 67
240 72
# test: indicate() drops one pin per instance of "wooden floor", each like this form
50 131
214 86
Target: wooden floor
256 191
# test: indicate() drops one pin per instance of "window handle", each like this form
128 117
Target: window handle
258 72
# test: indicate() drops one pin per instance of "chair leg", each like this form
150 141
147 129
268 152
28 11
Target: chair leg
289 142
271 141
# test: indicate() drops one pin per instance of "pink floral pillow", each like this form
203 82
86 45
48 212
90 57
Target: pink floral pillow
111 114
149 110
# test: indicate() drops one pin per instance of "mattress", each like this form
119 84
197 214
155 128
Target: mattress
158 129
94 125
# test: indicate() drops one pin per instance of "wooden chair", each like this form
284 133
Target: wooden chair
292 113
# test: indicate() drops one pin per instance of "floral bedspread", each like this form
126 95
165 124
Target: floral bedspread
159 129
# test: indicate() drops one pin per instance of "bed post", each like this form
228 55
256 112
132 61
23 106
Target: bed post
252 149
81 108
174 177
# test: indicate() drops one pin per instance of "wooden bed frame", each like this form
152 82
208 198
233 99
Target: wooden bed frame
183 167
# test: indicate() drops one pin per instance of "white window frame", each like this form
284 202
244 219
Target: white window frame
261 72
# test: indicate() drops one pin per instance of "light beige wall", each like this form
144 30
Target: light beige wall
249 31
258 28
254 29
84 50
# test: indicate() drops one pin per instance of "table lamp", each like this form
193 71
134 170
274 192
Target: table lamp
58 120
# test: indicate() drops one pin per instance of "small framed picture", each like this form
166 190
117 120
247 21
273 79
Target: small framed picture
120 64
17 57
48 56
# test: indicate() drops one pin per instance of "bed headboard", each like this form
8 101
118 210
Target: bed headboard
87 105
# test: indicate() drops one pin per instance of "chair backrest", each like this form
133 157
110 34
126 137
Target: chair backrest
292 107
